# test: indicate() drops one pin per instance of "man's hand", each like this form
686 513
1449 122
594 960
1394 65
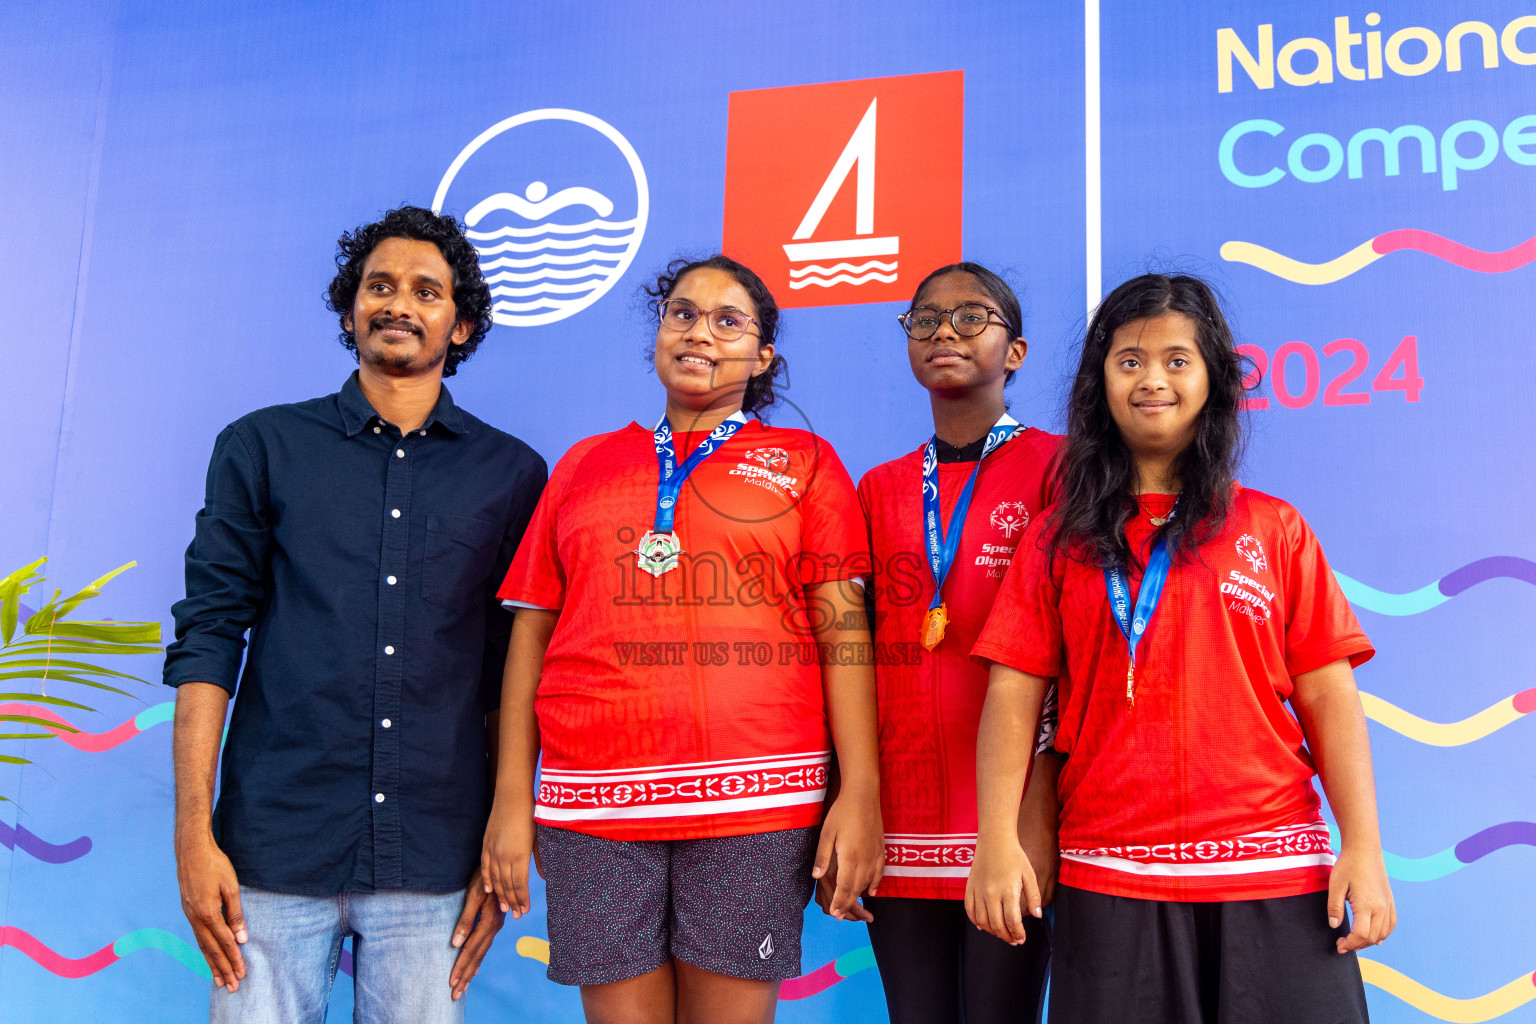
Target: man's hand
210 897
473 935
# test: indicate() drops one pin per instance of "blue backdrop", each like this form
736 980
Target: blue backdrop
173 181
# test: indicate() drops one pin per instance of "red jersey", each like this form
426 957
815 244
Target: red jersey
688 705
1203 790
930 701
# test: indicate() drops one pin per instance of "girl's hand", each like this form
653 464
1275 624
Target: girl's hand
509 843
850 857
1001 884
1360 877
1042 851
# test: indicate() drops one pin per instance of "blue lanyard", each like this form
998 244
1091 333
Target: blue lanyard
943 542
674 476
1119 588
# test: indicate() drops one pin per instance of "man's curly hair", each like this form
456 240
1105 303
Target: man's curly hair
471 295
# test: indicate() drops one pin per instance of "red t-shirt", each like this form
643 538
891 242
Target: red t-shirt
930 701
688 705
1203 790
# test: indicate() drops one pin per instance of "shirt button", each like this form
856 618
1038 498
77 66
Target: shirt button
385 723
399 453
378 798
389 650
395 512
390 580
422 431
378 430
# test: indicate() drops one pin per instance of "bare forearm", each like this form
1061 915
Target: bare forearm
849 691
1041 807
518 756
1005 741
1328 706
195 739
850 696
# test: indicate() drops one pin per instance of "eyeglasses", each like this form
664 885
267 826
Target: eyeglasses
725 324
968 319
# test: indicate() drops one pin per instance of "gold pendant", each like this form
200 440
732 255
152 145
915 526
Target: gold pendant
1159 520
1130 686
933 626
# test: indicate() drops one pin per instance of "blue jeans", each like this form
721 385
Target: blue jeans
401 958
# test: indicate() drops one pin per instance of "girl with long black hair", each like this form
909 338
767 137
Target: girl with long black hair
1203 653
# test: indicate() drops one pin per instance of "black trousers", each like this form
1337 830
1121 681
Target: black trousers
938 968
1127 961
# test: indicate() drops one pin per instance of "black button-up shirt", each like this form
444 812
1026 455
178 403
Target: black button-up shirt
365 565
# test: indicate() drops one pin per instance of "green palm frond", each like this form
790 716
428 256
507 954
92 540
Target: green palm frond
52 648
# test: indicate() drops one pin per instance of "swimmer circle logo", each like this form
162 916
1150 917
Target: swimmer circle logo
555 244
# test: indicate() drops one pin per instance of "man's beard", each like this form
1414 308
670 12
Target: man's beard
421 362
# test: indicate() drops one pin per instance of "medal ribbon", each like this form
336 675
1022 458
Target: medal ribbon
673 476
1119 589
942 541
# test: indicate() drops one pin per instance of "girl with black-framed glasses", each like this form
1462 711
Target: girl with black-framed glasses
944 520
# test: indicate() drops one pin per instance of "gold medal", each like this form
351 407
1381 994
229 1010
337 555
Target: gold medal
1130 686
933 626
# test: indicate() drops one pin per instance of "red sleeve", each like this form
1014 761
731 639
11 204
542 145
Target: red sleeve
537 576
833 528
1051 489
1024 629
1320 627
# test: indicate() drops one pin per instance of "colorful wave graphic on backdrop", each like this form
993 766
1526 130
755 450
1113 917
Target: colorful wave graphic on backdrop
96 742
1470 850
1449 734
177 949
18 838
1371 250
1442 590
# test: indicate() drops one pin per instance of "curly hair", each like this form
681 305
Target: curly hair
760 393
1007 302
471 295
1096 496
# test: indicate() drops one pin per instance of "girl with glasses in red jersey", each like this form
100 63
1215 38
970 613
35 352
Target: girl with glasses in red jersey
944 521
685 597
1203 653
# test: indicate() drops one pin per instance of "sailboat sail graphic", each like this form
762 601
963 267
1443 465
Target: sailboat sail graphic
824 264
548 253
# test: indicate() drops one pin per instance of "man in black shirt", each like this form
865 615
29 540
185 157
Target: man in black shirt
360 539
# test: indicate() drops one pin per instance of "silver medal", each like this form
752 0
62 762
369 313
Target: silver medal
658 552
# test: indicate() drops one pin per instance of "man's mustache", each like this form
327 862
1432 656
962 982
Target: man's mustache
384 323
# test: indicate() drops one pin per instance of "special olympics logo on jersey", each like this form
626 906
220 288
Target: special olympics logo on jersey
1249 547
1010 517
776 459
549 251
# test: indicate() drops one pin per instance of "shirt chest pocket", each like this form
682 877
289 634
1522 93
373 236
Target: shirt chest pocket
459 557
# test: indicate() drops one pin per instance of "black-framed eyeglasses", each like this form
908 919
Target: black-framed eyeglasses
969 319
725 324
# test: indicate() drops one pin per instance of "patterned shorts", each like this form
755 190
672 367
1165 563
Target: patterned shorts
619 909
